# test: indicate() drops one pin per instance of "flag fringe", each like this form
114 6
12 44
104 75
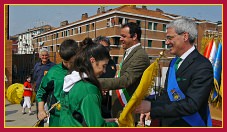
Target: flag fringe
216 101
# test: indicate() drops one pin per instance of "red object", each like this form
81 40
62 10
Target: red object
216 123
27 92
208 49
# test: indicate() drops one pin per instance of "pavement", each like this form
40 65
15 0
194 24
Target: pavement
15 118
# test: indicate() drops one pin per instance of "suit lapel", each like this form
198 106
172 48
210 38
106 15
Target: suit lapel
187 62
131 54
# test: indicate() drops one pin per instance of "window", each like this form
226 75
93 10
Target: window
149 43
164 27
72 31
87 28
108 22
138 22
126 20
66 33
150 25
120 20
79 30
57 48
56 35
112 21
155 26
92 26
116 41
163 44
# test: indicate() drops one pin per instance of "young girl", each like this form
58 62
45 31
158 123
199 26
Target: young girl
81 97
27 95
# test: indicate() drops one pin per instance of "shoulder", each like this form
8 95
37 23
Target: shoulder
57 69
57 66
37 64
141 51
87 87
200 60
25 83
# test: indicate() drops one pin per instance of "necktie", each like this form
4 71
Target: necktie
121 64
177 63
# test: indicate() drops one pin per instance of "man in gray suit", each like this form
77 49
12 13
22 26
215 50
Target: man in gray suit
134 63
184 100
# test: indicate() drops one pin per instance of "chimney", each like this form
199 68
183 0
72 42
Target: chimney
132 6
64 23
98 11
84 16
102 9
144 7
159 10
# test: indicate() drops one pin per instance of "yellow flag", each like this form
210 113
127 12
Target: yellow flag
147 81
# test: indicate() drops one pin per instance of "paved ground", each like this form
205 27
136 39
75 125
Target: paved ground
15 118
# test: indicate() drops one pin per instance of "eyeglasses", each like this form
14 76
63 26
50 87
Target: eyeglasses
168 38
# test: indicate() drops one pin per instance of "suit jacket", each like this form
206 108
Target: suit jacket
107 99
131 72
195 79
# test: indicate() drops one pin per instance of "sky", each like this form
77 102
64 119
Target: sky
24 17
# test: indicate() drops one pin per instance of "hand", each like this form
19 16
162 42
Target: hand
31 89
104 92
42 114
144 107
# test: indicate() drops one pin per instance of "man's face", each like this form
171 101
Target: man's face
126 40
175 42
44 56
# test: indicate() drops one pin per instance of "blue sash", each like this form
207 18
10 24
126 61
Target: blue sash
175 94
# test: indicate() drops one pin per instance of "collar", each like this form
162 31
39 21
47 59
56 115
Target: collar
187 53
130 49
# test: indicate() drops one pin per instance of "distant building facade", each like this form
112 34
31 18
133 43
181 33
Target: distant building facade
108 23
24 43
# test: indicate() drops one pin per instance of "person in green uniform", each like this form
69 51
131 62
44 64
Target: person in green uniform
81 97
52 82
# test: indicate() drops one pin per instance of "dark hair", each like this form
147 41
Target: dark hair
86 41
28 77
133 29
105 39
102 38
68 49
82 62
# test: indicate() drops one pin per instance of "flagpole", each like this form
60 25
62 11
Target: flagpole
53 106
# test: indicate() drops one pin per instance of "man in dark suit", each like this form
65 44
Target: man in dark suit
184 100
110 73
134 63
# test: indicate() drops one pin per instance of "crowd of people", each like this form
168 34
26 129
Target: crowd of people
85 81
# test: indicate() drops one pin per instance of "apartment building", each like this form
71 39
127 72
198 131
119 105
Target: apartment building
24 43
108 23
